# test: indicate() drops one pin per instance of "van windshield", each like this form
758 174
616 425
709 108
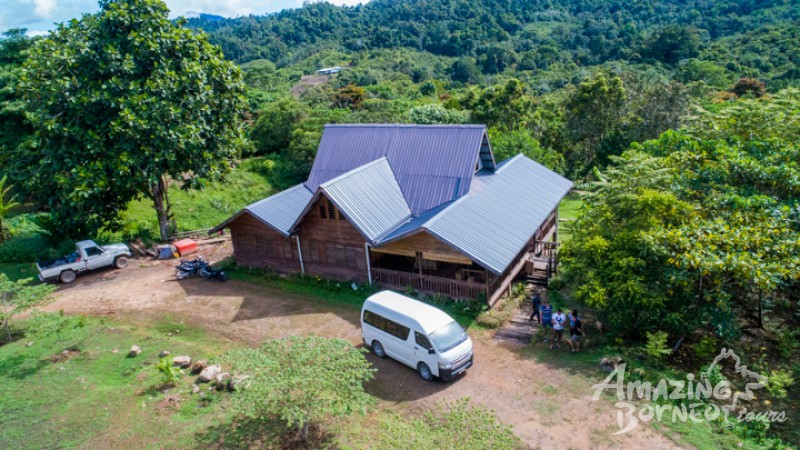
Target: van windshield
448 337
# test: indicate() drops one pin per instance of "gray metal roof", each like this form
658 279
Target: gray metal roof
433 164
498 217
370 198
279 211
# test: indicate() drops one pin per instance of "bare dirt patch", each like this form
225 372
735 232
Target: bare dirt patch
548 407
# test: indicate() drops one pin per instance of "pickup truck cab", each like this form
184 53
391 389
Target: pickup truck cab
87 256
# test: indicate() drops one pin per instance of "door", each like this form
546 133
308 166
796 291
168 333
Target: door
397 343
422 348
95 258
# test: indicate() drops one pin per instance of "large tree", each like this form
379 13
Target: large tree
124 101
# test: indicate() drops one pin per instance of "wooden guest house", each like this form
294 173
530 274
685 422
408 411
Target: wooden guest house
425 207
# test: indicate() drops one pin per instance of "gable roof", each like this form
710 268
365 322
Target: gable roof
369 197
497 218
279 211
433 164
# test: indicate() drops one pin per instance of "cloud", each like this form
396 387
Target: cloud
44 8
39 16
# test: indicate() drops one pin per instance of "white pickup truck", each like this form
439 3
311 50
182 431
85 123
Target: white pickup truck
87 256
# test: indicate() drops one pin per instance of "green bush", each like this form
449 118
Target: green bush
170 375
656 346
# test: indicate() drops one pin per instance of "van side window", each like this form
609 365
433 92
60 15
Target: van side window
389 326
422 340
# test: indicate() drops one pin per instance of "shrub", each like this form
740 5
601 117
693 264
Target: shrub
170 375
300 380
656 346
778 382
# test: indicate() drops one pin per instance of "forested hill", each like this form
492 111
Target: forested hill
529 34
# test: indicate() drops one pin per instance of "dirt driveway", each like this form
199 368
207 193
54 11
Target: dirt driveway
547 407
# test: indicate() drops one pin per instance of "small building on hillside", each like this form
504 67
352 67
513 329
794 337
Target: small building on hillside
329 70
408 206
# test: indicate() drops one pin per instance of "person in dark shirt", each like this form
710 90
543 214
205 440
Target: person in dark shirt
575 331
536 301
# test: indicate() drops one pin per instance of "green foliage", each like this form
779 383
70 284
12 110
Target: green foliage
18 296
656 347
462 426
272 132
301 380
43 324
507 144
148 99
695 228
778 381
170 375
7 203
435 113
671 44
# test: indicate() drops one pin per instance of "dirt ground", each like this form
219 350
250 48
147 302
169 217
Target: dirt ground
547 407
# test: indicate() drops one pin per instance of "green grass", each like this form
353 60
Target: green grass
206 208
19 271
100 398
341 293
567 212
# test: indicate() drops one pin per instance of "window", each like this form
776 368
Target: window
323 213
331 210
287 249
314 245
422 340
384 324
93 251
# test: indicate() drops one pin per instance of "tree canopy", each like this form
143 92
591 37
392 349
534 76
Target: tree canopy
124 101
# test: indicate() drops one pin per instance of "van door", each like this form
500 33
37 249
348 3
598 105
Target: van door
397 344
422 347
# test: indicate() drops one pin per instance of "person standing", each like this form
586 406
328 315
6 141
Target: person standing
536 302
575 332
559 320
546 314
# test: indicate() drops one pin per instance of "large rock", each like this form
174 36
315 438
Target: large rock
135 351
198 366
210 373
182 361
163 353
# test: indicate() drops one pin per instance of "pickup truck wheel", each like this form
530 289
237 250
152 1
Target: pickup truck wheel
67 276
121 262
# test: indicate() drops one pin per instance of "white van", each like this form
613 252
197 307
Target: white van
416 334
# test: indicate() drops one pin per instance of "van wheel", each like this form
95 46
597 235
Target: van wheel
377 348
425 372
121 262
67 276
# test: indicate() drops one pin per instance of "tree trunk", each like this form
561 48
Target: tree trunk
304 432
160 191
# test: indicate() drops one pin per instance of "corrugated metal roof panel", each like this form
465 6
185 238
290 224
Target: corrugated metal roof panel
501 213
282 209
433 164
370 198
503 209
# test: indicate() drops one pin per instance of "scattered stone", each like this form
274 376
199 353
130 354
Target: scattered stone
222 380
198 366
182 361
135 351
202 395
163 353
610 364
210 373
29 344
116 350
195 389
236 382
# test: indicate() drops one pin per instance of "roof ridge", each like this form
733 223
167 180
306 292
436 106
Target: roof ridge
358 169
509 162
279 194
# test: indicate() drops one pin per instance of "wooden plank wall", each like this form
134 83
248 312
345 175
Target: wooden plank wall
332 247
431 248
257 245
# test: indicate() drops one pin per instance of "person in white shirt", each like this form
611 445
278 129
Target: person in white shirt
559 319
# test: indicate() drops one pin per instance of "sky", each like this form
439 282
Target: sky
39 16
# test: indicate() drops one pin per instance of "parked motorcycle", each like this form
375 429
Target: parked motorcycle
199 265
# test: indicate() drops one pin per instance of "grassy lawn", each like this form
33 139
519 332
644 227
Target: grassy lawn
206 208
101 398
567 212
19 271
